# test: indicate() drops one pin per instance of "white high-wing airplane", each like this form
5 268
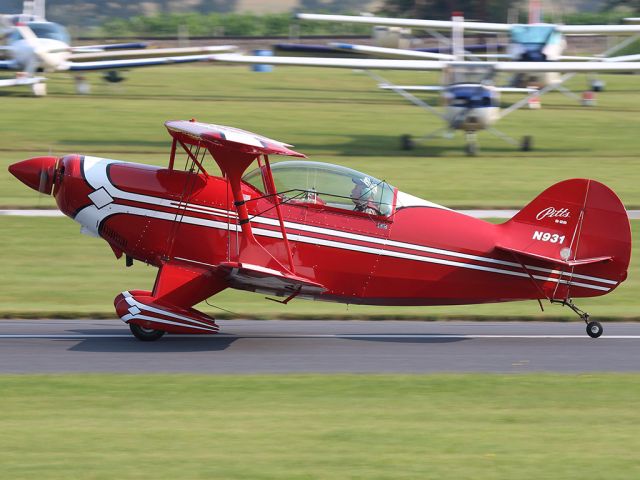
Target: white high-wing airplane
472 102
34 45
532 42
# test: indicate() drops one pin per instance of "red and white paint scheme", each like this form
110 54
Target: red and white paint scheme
300 229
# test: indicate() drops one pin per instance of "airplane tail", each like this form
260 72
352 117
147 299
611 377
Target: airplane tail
579 226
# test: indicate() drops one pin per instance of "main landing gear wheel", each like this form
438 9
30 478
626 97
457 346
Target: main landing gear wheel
526 145
594 329
471 149
406 142
145 334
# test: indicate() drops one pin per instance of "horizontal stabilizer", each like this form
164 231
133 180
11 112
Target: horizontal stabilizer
568 263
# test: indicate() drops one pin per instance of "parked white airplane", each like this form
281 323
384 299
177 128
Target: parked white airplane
472 102
34 45
532 42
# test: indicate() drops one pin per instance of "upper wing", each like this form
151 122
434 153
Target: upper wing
469 26
391 52
430 65
147 53
109 46
598 29
131 63
407 22
363 63
566 67
7 65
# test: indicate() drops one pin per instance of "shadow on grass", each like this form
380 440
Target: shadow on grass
390 145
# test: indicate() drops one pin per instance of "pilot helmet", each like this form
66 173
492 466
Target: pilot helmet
369 188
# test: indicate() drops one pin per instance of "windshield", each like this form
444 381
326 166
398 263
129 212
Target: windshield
468 73
531 34
327 184
50 30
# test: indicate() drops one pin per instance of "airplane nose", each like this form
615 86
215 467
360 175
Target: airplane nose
36 173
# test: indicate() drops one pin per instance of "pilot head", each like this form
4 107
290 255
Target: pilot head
364 190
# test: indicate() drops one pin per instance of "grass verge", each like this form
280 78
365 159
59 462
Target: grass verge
315 426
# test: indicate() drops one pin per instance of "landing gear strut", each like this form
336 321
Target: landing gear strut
594 329
471 147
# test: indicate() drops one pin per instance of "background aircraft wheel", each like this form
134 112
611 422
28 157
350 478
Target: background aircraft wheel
145 334
39 89
471 149
526 145
594 329
406 142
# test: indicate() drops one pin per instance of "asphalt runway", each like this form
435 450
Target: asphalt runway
301 346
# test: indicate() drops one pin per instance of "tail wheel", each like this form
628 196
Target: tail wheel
145 334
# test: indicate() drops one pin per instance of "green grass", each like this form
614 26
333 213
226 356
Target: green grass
320 427
50 269
335 116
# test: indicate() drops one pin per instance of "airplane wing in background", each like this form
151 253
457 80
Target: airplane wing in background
7 65
145 53
429 65
131 63
18 81
405 22
109 46
357 63
467 25
390 52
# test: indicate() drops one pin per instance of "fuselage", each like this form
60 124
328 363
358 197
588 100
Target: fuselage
47 51
415 253
471 107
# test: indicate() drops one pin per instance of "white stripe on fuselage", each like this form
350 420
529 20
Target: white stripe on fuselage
91 217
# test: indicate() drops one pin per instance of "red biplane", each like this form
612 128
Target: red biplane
300 229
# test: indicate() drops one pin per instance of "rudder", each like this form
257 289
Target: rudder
580 225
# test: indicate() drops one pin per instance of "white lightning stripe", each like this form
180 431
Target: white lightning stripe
131 300
115 208
127 318
95 172
394 243
410 246
422 248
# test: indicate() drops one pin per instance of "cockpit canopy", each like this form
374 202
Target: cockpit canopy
532 40
49 30
469 72
302 182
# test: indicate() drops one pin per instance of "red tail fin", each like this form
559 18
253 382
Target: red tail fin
580 225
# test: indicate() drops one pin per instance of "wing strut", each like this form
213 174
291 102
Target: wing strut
276 198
